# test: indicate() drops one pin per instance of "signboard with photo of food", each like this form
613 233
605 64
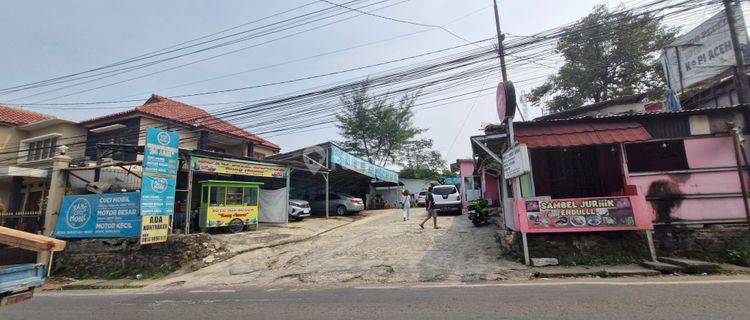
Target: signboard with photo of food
586 214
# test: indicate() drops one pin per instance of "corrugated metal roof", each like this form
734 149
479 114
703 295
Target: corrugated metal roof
580 134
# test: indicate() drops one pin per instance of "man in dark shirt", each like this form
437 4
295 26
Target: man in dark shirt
430 207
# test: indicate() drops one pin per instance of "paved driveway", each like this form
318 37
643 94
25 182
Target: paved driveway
380 248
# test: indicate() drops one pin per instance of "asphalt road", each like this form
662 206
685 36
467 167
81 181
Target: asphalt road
658 298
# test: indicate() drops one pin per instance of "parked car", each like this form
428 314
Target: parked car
298 209
447 199
339 204
421 197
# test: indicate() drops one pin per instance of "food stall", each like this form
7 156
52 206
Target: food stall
230 204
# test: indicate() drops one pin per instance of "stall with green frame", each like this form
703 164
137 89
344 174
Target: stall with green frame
231 204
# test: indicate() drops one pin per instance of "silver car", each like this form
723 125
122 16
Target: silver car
298 209
338 204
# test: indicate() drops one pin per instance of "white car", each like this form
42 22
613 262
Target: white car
421 197
298 209
447 199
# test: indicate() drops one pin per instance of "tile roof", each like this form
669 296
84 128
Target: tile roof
165 108
18 116
580 134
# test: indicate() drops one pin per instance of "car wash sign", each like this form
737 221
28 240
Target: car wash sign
158 184
354 163
111 215
160 165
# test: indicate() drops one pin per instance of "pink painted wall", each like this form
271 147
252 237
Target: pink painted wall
710 152
466 169
491 188
678 190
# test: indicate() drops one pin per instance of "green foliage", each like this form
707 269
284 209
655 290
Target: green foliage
598 261
738 253
376 128
608 54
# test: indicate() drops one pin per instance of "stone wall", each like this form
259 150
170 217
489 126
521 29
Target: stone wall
699 240
123 257
575 246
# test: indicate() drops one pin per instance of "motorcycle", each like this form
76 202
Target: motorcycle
478 212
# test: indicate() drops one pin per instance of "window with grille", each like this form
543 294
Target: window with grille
41 149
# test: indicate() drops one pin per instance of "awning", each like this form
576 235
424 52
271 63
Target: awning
580 134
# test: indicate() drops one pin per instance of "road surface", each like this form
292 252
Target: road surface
379 248
679 298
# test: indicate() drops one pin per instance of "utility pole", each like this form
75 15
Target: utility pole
740 74
500 38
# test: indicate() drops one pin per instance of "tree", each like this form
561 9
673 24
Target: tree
421 161
378 129
607 55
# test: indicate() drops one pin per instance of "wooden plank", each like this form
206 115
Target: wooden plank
29 241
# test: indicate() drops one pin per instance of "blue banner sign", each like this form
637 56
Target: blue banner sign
354 163
110 215
157 196
161 152
160 165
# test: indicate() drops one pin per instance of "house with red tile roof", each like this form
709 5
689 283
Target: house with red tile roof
28 142
199 130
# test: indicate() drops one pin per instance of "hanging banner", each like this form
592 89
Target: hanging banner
704 52
157 195
110 215
160 165
154 229
239 168
516 162
584 214
354 163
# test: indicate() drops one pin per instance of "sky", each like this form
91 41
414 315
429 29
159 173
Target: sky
44 39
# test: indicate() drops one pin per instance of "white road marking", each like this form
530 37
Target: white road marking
547 284
95 292
213 291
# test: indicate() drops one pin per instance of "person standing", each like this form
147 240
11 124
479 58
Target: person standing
406 203
430 207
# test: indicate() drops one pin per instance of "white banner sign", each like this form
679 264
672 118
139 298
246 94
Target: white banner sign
704 52
516 162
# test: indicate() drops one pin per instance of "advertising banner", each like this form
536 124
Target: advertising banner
112 215
160 153
235 167
157 196
704 52
221 216
516 162
160 165
354 163
154 229
582 214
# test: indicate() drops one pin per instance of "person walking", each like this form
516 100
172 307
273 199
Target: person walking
430 208
406 203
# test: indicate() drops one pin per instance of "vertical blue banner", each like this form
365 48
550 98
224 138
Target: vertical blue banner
160 165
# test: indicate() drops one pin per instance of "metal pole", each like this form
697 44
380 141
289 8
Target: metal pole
327 205
740 172
288 188
743 92
189 198
526 256
651 247
500 47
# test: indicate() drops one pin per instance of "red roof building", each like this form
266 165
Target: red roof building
171 110
11 116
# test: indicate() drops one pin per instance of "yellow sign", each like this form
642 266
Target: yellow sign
154 229
239 168
221 216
